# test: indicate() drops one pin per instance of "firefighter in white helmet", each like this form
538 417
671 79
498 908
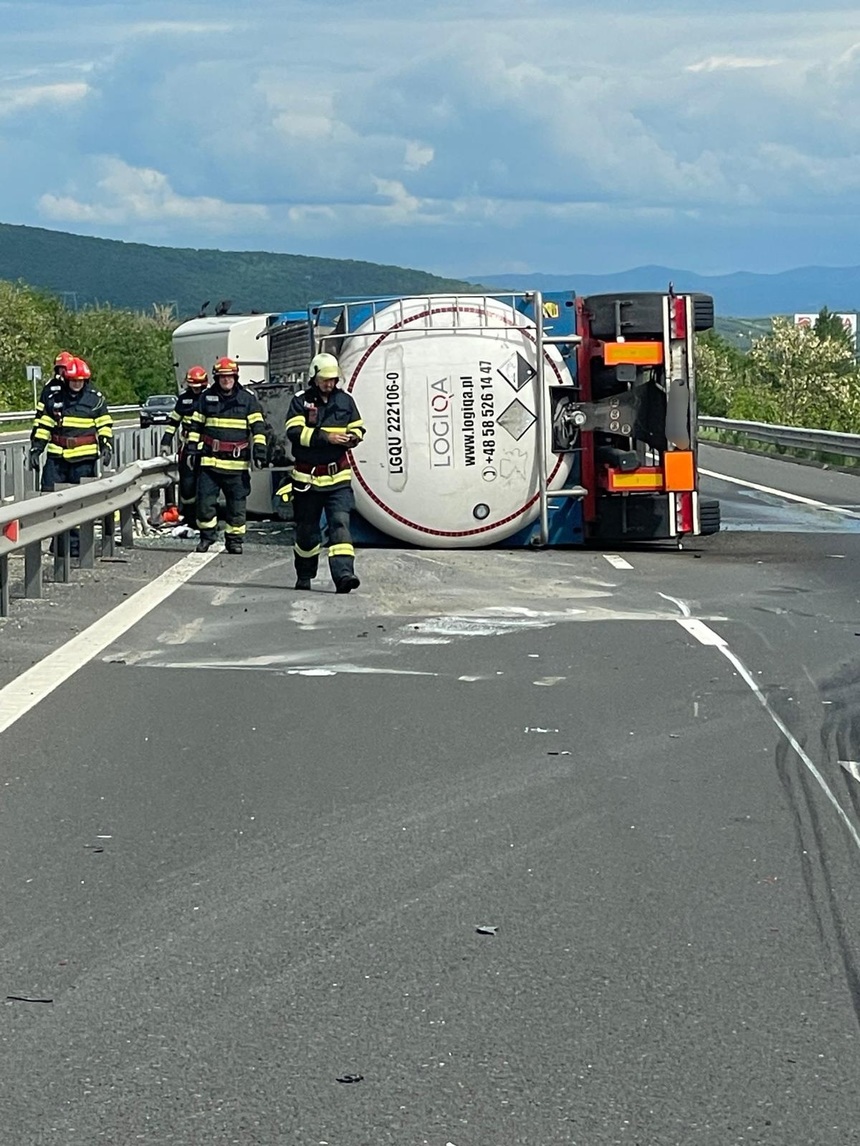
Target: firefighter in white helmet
323 424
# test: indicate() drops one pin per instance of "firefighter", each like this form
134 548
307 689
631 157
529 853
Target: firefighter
73 423
187 404
323 424
226 432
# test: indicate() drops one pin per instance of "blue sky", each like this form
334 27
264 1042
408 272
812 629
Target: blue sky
458 136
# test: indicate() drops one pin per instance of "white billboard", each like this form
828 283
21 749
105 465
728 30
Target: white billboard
849 321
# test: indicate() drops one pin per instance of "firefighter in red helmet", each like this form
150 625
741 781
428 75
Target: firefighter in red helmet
180 422
227 433
73 425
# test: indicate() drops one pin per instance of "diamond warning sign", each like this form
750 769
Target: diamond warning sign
516 419
517 371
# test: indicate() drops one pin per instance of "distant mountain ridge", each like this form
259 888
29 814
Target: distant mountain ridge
743 294
87 270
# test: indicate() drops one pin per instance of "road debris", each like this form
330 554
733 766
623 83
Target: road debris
486 930
26 999
351 1078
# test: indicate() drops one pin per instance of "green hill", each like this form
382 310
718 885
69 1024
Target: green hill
84 270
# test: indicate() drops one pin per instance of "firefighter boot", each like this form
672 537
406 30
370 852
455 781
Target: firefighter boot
347 584
303 583
232 543
205 544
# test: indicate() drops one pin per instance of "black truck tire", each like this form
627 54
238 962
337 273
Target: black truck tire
641 313
709 516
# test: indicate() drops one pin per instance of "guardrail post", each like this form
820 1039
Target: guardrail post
126 526
33 571
19 474
108 545
62 558
87 545
4 586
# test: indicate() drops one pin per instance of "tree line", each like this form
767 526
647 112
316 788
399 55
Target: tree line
795 376
129 353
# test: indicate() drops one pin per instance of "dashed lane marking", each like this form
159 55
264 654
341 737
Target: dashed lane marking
19 696
616 561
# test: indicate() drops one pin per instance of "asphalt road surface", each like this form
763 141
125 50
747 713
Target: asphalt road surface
506 848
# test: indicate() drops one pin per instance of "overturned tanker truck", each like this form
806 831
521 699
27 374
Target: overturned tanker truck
513 419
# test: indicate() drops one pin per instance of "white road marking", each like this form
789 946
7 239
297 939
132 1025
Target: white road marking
781 493
707 636
852 767
32 686
682 605
616 561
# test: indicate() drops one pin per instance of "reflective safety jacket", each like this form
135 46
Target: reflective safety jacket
180 418
312 416
73 424
228 429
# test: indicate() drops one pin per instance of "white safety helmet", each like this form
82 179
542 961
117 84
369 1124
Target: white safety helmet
323 366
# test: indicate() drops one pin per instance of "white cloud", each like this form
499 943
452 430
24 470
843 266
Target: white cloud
732 63
417 155
137 194
16 100
435 132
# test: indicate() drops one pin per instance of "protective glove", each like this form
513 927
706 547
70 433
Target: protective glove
260 459
281 502
191 458
166 449
106 453
34 458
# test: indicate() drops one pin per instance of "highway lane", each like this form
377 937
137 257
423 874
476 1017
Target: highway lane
307 804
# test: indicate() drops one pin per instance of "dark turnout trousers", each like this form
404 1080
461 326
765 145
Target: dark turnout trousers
308 508
235 485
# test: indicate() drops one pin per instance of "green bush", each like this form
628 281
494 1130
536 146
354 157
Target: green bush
130 354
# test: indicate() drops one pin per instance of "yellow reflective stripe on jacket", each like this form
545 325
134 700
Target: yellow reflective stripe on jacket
356 428
43 434
306 436
72 452
226 423
74 423
104 420
297 420
254 416
342 549
285 492
259 439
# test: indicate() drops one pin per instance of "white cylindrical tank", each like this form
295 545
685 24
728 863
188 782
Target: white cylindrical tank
447 387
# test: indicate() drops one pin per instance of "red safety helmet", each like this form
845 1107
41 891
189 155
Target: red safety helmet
225 366
63 361
82 370
196 376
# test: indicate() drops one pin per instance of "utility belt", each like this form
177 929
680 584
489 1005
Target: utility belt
67 443
322 471
234 449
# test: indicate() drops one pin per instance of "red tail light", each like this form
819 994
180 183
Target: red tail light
684 512
679 317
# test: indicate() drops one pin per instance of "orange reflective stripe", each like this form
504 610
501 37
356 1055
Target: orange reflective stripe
635 353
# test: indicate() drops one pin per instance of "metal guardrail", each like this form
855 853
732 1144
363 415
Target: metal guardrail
25 524
792 437
29 415
130 444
